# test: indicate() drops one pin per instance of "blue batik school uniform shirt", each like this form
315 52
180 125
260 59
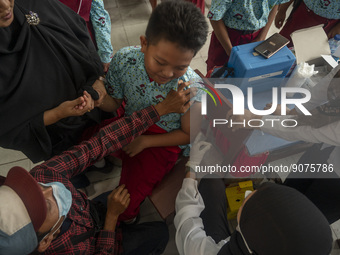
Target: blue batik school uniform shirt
242 14
127 79
329 9
101 23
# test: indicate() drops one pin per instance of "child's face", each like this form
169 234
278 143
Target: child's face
165 61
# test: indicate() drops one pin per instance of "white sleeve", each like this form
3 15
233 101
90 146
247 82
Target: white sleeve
191 238
329 134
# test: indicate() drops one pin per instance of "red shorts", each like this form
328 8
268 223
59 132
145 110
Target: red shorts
143 172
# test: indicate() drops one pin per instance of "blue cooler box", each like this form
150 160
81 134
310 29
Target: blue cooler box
257 71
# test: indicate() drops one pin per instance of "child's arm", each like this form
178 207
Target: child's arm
177 137
101 23
110 104
281 14
222 34
263 33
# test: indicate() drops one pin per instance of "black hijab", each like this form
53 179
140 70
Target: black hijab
279 220
42 66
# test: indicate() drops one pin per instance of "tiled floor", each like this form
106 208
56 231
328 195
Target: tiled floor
129 19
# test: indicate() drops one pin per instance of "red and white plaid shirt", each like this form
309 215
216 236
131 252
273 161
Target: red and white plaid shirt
74 161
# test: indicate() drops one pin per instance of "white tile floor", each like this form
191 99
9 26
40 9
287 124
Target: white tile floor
129 19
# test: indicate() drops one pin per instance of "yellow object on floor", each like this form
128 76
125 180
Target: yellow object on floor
235 197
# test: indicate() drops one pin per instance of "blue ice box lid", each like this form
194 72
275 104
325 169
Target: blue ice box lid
257 71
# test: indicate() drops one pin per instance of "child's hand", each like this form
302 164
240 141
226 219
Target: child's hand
187 83
118 201
280 18
136 146
89 102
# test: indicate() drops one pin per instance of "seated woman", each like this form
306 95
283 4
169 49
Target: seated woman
47 62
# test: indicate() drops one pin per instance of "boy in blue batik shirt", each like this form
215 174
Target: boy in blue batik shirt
143 76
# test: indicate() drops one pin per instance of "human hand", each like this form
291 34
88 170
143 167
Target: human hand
136 146
240 118
334 30
177 101
98 85
197 152
77 107
280 18
117 201
106 67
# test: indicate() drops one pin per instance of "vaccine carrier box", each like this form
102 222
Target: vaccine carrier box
256 71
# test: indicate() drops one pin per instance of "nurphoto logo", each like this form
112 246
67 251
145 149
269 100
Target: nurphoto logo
238 106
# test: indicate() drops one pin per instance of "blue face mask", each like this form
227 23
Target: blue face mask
62 195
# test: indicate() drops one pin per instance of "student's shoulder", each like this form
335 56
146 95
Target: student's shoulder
129 51
127 56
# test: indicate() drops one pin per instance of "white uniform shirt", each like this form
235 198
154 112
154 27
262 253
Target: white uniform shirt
191 238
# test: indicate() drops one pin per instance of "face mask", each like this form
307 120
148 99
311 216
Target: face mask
244 240
62 195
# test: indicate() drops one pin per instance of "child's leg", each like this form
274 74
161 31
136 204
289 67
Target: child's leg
142 173
216 53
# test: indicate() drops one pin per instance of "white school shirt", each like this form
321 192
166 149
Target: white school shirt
191 238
